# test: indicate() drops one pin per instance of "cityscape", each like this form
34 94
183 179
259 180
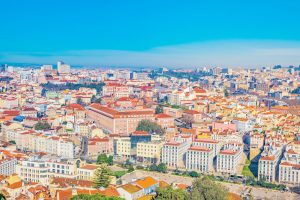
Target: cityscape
149 100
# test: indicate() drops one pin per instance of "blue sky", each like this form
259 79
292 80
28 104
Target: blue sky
151 32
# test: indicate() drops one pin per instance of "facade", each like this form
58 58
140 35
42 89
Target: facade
118 122
173 153
123 147
31 141
229 158
116 90
268 163
199 159
97 145
209 143
86 172
149 151
289 167
41 170
7 165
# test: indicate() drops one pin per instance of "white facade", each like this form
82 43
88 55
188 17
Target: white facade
209 143
40 170
173 152
199 159
268 163
229 158
8 166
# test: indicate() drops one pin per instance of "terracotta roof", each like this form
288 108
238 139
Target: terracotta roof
268 158
130 188
89 167
135 133
163 115
146 182
228 152
198 148
191 112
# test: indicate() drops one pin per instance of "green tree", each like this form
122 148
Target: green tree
42 126
153 167
226 93
162 167
193 174
102 176
110 160
158 109
2 197
170 194
102 159
130 169
149 126
94 197
204 188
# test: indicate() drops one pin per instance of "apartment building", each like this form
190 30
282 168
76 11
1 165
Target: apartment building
118 121
117 90
269 161
199 159
214 145
149 151
173 152
229 157
289 167
7 164
39 169
123 147
38 142
86 172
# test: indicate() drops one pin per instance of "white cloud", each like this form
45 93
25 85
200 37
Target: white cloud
247 53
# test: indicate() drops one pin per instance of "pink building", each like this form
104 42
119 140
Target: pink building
224 126
98 145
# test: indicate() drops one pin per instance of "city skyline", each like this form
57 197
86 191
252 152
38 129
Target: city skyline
139 33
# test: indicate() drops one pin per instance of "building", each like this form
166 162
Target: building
289 167
173 152
118 121
42 169
199 159
123 147
36 142
117 90
149 151
62 68
256 144
7 164
209 143
97 146
86 172
229 158
269 161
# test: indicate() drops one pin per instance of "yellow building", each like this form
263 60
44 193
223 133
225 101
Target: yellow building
87 171
124 147
149 151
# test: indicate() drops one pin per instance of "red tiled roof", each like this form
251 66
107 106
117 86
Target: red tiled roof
198 148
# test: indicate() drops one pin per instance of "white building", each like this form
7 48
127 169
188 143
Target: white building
268 163
36 169
37 142
7 165
63 68
173 152
199 159
209 143
229 158
289 168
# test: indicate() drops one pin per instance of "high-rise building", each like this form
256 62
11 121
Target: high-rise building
63 68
